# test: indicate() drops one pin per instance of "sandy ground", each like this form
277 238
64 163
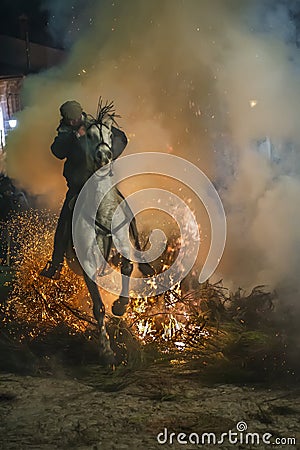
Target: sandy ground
97 410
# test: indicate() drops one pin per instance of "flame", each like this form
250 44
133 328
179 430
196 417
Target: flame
36 301
172 320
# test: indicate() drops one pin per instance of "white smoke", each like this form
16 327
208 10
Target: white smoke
206 80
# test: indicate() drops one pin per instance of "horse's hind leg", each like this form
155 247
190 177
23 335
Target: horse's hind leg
119 305
99 314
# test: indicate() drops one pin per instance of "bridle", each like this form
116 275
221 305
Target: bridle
99 124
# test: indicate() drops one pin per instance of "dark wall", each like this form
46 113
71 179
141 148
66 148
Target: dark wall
13 56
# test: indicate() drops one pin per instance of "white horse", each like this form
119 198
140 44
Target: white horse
99 156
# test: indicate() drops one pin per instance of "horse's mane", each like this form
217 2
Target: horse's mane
106 109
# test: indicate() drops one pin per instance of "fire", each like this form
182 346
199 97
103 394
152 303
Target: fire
172 320
36 301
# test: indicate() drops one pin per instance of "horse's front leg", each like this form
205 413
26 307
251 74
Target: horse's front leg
99 314
119 305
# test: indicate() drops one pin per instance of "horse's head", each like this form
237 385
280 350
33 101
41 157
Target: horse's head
99 136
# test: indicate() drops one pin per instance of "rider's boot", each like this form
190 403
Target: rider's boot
146 269
52 270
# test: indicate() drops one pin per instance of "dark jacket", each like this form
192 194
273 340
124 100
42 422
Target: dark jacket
68 145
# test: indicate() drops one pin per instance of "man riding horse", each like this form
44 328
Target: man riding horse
90 144
69 145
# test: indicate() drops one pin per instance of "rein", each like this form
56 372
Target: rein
98 123
106 231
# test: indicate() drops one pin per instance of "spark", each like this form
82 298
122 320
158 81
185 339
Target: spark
171 320
37 301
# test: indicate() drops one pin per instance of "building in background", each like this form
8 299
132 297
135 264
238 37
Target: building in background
18 58
10 103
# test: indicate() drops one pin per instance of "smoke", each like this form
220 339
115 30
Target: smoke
67 20
215 82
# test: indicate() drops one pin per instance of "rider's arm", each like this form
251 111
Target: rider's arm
64 143
119 142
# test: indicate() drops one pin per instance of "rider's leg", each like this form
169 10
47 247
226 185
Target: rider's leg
53 268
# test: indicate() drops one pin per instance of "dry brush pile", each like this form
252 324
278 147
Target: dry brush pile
228 336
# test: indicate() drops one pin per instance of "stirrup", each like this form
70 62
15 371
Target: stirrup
51 270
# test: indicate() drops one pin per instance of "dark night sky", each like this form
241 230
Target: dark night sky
10 23
51 22
58 23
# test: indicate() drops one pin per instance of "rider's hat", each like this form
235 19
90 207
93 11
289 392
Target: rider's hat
71 110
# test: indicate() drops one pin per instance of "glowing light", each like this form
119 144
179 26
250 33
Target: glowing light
253 103
12 123
2 131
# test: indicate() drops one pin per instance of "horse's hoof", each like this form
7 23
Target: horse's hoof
119 307
146 269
